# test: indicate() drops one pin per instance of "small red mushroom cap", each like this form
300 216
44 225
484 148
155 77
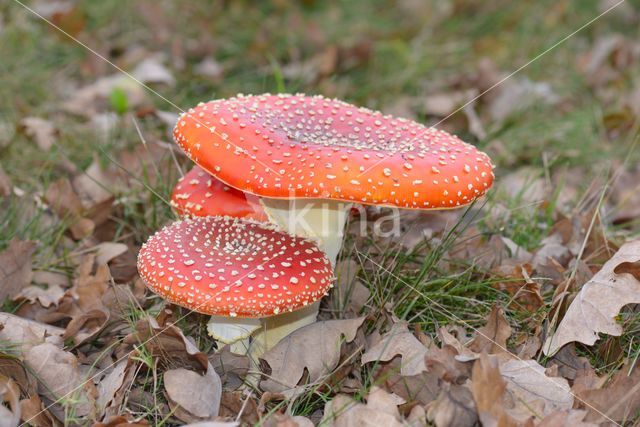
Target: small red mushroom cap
296 146
200 194
233 267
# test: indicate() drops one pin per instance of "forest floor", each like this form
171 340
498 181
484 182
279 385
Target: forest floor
522 308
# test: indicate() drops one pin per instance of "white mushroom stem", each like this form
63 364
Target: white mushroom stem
319 220
233 331
266 332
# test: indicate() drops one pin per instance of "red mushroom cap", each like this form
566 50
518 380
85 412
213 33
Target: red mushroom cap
233 267
200 194
290 146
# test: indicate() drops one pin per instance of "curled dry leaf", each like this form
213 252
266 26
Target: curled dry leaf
10 411
83 302
60 379
45 297
42 131
192 396
314 348
492 337
454 407
518 284
15 268
399 341
421 388
599 301
381 409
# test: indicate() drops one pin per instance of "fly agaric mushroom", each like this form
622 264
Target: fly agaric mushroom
308 158
247 275
200 194
331 154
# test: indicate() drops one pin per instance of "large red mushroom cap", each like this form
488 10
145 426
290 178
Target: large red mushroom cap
290 146
233 267
200 194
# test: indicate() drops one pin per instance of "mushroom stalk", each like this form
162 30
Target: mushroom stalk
321 220
265 332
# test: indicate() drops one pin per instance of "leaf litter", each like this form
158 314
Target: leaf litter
83 324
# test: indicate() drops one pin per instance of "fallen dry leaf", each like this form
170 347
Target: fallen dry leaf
599 301
42 131
443 363
444 103
24 333
488 389
464 354
93 185
15 268
528 384
106 251
90 100
231 367
110 385
399 341
492 337
151 70
172 349
283 420
516 95
517 282
208 67
233 402
168 344
619 399
9 412
381 409
454 407
46 297
66 204
314 348
571 417
121 421
59 378
36 414
192 396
